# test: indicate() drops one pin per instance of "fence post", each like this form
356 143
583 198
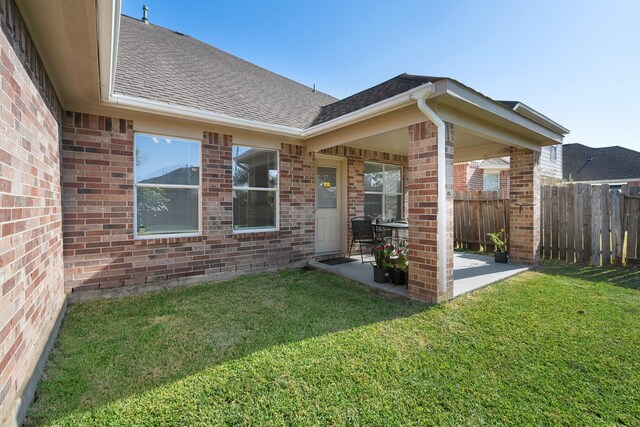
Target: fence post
616 207
595 225
604 225
562 223
546 200
571 222
586 222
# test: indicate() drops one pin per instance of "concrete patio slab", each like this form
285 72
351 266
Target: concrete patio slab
470 272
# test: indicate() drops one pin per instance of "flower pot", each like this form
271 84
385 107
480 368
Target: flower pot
502 257
380 275
397 277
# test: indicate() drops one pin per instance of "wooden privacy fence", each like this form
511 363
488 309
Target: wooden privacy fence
476 213
590 224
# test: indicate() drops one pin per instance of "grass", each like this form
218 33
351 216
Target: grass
555 346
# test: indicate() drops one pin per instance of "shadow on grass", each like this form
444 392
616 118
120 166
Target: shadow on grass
626 277
110 350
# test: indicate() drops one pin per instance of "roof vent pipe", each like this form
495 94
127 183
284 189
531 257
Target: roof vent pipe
145 11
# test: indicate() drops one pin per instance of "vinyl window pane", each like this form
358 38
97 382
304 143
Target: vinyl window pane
373 177
491 182
167 210
393 207
253 167
393 179
164 160
254 209
373 205
326 188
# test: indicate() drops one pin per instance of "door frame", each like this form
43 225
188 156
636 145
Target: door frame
341 162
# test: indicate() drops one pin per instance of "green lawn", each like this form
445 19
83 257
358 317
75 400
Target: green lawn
557 346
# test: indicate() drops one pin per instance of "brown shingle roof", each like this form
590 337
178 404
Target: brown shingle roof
385 90
161 65
582 163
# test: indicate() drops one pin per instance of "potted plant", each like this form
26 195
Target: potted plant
398 275
501 243
379 268
142 229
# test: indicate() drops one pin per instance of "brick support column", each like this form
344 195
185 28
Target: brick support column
423 213
524 233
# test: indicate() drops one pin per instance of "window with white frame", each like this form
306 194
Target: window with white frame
382 191
255 189
553 153
167 186
491 181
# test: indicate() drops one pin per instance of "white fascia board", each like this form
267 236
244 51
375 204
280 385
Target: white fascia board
480 101
108 28
370 111
535 115
146 105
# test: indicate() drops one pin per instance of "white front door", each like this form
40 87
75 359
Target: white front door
328 207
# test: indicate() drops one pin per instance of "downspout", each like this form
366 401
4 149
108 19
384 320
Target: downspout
442 197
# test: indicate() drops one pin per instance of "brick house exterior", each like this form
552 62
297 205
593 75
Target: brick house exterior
68 162
100 249
31 260
469 176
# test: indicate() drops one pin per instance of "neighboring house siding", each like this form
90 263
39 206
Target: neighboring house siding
31 265
100 250
548 167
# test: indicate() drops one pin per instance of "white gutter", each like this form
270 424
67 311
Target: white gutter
534 115
442 196
108 29
147 105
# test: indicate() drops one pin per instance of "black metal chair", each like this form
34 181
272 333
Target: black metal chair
363 234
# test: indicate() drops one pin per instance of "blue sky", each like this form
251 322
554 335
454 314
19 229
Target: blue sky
578 62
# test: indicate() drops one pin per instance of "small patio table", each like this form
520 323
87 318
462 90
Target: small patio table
395 227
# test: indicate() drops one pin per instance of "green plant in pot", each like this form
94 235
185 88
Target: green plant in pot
398 275
501 242
379 264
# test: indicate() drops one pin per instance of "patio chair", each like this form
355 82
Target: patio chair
362 234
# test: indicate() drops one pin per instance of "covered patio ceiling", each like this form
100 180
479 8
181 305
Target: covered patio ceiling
466 145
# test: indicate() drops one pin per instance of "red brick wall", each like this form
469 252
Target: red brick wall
460 177
504 184
524 211
31 265
467 177
475 177
356 157
100 251
423 212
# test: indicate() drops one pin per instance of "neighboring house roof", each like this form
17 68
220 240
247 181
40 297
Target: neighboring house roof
186 175
582 163
497 163
395 86
162 65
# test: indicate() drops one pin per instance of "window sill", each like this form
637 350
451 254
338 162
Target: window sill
258 234
157 240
